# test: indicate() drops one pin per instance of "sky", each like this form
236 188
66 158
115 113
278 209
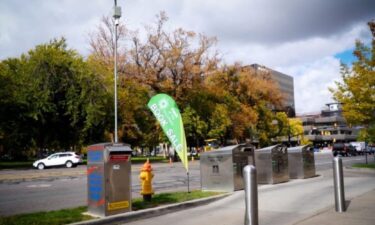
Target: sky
305 39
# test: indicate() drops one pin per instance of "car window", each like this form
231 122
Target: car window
53 157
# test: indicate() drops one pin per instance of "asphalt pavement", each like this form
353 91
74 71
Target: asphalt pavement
24 191
32 190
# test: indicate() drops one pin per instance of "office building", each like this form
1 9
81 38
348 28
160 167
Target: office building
286 86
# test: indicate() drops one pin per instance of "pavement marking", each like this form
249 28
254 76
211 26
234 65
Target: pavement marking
38 186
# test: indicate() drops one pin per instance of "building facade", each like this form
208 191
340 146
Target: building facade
286 86
328 127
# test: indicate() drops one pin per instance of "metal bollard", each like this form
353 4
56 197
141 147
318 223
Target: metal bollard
338 181
251 195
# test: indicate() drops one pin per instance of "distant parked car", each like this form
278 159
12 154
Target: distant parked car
68 159
192 153
360 146
343 149
371 149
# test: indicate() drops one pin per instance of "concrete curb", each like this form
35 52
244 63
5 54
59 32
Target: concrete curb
153 212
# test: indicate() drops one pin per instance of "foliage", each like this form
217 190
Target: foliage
74 215
170 198
363 165
54 100
357 90
67 102
195 127
247 96
58 217
296 130
16 165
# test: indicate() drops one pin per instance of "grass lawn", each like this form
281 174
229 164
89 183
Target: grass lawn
16 165
364 165
66 216
170 198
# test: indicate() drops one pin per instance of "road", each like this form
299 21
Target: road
24 191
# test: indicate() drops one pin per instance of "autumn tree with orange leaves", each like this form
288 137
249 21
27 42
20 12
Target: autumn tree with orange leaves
217 101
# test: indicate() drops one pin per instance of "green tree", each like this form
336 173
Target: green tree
270 125
195 127
357 90
55 100
296 130
15 113
220 122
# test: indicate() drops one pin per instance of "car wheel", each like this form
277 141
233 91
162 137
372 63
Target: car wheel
334 154
69 164
41 166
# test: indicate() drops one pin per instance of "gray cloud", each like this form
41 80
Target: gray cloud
298 37
24 24
267 22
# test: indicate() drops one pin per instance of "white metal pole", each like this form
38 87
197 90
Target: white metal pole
338 182
251 195
116 15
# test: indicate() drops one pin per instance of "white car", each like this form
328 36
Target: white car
69 159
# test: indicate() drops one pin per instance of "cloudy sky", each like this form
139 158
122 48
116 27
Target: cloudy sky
302 38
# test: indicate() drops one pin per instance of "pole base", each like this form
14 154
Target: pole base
147 198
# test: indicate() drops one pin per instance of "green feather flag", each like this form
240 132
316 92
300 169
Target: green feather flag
167 113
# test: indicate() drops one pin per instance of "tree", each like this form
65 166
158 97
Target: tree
356 92
220 122
296 130
195 127
55 100
249 97
164 62
171 62
15 114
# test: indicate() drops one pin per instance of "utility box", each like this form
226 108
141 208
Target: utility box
301 162
221 169
272 164
109 179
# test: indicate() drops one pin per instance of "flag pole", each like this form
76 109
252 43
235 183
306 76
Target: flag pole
187 173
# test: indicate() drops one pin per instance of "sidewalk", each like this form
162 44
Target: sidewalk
360 211
297 202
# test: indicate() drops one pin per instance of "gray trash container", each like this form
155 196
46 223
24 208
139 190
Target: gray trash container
301 162
272 164
221 169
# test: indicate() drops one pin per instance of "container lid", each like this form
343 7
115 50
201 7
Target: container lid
298 148
229 149
119 147
269 148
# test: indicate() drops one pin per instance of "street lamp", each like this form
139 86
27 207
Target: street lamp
116 16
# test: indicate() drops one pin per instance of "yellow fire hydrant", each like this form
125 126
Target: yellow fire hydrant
146 181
